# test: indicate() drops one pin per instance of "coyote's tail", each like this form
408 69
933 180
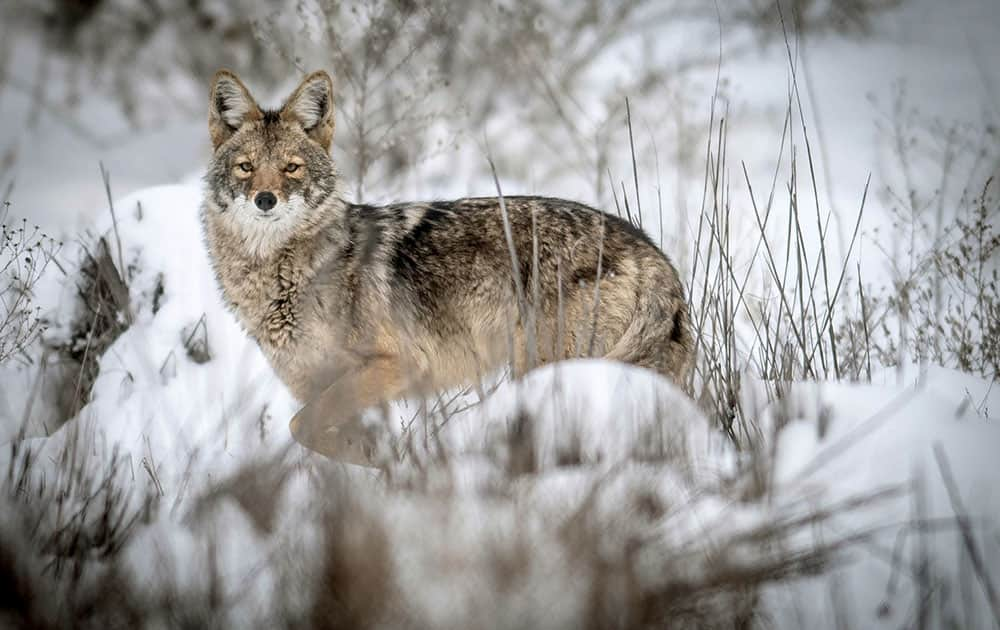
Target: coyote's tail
659 337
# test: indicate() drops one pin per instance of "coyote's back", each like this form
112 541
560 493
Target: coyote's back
362 303
584 284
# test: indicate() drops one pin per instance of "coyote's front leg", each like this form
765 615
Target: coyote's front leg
331 423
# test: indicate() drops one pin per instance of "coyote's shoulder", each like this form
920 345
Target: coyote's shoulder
437 292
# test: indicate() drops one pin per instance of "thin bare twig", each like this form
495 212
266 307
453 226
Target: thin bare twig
106 177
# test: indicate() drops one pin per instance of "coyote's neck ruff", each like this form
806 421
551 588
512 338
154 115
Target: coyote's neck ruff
359 303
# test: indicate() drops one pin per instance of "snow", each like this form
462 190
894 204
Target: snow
883 436
183 428
149 393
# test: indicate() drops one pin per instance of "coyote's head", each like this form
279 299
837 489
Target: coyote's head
271 173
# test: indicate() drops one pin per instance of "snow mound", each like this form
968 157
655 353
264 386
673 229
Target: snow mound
914 430
182 389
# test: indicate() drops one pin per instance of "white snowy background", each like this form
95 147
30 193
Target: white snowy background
183 427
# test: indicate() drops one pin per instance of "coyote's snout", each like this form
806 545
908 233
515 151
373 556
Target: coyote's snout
355 305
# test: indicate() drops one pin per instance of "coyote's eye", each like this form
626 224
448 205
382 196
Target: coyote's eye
246 167
292 167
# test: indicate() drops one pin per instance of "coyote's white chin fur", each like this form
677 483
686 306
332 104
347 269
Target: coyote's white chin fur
263 233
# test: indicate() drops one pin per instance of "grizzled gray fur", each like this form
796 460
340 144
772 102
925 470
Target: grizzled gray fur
355 305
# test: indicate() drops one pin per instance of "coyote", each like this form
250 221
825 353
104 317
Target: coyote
357 305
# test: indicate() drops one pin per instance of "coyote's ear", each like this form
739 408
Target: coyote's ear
311 106
230 106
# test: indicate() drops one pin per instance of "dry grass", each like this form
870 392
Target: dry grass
62 535
62 541
25 254
103 313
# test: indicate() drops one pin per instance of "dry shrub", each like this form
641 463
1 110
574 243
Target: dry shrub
942 253
25 254
103 314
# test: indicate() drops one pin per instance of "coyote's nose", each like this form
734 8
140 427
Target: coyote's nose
265 200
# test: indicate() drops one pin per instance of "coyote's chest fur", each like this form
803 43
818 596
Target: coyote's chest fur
272 298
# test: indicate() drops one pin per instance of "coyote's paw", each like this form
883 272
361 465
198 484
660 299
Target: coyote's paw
341 440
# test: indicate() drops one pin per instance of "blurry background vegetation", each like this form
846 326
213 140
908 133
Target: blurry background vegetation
412 76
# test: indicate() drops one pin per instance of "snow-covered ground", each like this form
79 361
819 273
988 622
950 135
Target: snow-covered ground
182 428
